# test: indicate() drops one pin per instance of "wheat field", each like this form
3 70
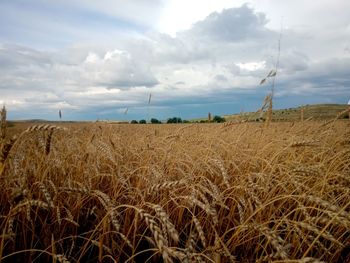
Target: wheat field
177 193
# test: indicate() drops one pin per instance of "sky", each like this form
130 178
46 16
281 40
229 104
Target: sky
102 59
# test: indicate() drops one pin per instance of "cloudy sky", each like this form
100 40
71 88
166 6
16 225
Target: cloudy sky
95 59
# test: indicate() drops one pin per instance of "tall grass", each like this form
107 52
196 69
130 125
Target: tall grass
204 193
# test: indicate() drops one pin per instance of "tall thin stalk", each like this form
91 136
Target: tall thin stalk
277 61
3 124
148 109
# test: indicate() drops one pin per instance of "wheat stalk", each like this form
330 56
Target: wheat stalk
199 230
164 218
157 233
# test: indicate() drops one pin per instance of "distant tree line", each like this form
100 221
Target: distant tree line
175 120
216 118
155 121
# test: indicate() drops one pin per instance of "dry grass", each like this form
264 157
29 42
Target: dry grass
191 193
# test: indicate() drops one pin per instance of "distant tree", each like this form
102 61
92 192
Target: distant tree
218 119
185 121
142 122
134 122
203 121
174 120
155 121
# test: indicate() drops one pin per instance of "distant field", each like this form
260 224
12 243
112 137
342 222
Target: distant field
311 112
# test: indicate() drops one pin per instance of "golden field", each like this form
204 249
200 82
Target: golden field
177 193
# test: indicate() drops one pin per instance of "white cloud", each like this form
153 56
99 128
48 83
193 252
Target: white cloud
92 58
118 69
190 12
62 105
252 66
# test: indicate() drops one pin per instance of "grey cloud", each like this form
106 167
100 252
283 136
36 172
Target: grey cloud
333 73
28 67
230 35
31 79
347 49
234 25
326 78
15 56
220 78
292 61
164 48
232 68
180 83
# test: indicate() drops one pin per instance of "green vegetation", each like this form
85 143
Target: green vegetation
218 119
155 121
174 120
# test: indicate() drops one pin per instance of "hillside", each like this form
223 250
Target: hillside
315 112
